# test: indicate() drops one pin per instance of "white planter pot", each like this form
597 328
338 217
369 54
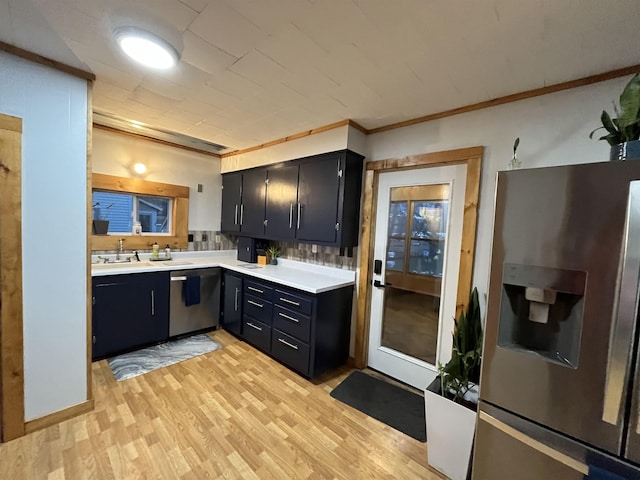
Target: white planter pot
450 431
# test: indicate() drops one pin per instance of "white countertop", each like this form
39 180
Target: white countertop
303 276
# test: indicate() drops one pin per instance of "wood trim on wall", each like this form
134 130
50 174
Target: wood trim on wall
34 57
60 416
11 314
180 218
296 136
536 92
472 157
137 136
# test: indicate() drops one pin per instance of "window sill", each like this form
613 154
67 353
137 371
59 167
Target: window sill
137 242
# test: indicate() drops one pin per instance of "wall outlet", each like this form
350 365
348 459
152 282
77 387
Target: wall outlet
314 248
218 238
199 188
204 237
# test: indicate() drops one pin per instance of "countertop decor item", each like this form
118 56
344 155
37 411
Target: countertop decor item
623 131
451 399
273 253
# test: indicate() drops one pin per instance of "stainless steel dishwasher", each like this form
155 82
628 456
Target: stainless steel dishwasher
199 316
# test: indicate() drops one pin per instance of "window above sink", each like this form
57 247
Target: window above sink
162 210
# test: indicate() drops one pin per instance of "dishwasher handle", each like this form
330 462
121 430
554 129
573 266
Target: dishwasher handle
179 279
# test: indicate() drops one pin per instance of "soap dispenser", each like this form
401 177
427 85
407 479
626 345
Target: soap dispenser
155 251
167 252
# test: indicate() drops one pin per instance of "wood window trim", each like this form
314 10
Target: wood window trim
472 157
180 214
11 313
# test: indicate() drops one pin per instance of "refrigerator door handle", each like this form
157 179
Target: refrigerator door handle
624 312
535 444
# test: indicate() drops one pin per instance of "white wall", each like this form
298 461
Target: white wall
329 141
115 154
53 106
553 129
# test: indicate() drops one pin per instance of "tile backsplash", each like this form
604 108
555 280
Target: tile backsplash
303 252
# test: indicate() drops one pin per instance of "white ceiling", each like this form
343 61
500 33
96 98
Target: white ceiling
253 71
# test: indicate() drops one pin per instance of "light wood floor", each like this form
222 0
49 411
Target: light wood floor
230 414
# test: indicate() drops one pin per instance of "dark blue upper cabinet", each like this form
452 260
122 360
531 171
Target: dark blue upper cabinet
231 201
282 202
318 195
252 205
313 200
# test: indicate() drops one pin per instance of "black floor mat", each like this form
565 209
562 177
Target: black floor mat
392 405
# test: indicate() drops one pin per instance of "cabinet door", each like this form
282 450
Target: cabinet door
231 191
129 311
252 206
318 190
232 312
282 208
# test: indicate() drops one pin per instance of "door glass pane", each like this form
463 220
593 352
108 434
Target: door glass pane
416 238
397 219
410 323
429 219
426 257
395 254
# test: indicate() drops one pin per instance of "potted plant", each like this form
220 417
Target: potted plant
451 399
274 253
623 131
100 224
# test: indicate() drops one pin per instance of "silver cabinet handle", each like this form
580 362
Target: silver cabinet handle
235 307
624 311
94 339
153 303
259 305
299 206
178 279
254 326
235 216
289 301
254 289
241 212
295 347
290 215
288 317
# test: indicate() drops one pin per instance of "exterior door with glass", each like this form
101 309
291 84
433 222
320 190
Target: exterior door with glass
417 257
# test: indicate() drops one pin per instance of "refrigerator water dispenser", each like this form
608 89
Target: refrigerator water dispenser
541 312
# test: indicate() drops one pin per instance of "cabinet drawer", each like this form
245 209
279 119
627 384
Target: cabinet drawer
293 323
257 308
259 290
290 351
295 302
256 333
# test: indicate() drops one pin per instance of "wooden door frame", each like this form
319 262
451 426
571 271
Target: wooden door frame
472 157
12 420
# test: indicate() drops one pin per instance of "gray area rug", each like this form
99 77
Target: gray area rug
136 363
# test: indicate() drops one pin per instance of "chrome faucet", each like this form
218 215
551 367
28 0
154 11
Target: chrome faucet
120 248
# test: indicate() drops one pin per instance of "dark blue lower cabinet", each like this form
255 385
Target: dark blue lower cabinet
231 318
129 311
308 333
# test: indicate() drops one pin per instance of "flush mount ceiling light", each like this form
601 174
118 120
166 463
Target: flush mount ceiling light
146 48
140 168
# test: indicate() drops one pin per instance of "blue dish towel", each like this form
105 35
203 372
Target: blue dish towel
191 291
596 473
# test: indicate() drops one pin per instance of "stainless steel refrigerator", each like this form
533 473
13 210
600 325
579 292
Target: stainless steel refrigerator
560 375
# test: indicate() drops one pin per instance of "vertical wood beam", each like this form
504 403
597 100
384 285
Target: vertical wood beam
11 334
